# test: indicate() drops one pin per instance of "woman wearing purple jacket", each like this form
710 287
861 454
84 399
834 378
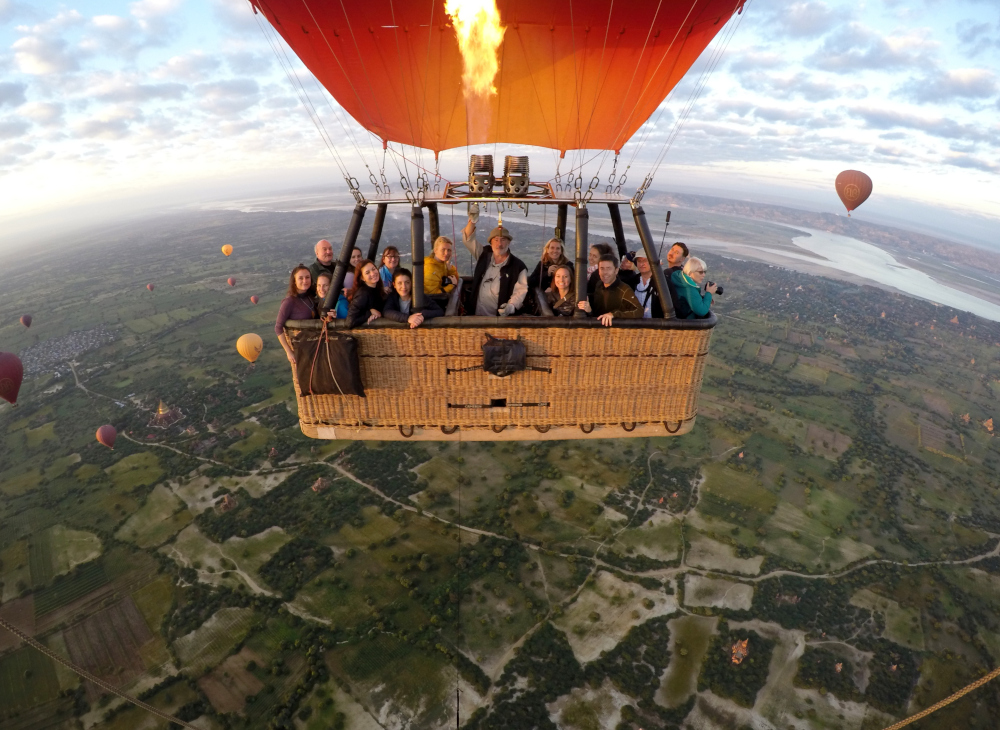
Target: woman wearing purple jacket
297 304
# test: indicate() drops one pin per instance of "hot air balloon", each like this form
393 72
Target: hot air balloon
853 187
150 287
231 281
11 375
26 320
249 346
254 299
227 249
106 435
450 74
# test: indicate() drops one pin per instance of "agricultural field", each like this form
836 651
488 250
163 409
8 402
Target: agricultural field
835 503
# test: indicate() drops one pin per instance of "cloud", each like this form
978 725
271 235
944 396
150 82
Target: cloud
154 16
228 97
975 37
247 62
235 14
11 128
963 83
858 48
194 66
972 163
11 94
808 86
44 113
885 119
806 19
136 92
40 56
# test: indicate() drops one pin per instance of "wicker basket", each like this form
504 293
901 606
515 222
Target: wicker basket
637 378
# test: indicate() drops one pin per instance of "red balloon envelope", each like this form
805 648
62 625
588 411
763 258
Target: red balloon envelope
853 187
150 287
26 320
254 299
11 375
231 281
570 75
107 435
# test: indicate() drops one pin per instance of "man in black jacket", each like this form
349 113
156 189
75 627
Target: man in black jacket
612 297
500 281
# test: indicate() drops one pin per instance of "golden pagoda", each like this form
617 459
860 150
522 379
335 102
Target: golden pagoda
740 651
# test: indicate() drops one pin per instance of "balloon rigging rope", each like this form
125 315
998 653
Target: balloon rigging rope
600 66
649 127
699 89
310 109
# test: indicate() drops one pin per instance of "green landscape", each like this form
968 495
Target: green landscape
837 506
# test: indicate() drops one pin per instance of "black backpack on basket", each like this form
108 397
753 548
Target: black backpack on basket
327 363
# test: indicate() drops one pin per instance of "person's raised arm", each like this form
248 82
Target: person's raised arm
469 239
279 329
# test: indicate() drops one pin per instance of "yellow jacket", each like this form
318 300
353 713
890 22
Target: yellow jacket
434 272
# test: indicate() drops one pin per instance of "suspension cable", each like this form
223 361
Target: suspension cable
84 674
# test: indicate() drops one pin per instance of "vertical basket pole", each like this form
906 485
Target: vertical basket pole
340 271
659 280
432 221
417 253
377 232
560 231
582 228
616 223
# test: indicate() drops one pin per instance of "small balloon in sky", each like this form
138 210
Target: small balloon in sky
249 346
106 435
227 249
150 287
231 281
254 299
853 187
26 320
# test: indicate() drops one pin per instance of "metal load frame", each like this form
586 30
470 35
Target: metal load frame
546 195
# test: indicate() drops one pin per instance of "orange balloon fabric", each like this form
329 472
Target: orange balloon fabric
249 346
581 74
227 249
853 187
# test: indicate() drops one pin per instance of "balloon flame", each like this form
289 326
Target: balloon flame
477 25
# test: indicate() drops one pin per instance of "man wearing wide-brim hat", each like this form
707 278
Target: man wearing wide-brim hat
500 281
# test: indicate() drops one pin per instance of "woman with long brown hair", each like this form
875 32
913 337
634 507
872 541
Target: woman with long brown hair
562 296
366 295
553 256
297 304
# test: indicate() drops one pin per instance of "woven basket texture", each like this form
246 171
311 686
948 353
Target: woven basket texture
597 376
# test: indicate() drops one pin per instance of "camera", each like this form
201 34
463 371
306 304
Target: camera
718 290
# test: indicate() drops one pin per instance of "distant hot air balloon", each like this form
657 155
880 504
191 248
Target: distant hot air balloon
150 287
227 249
853 187
26 320
11 375
254 299
231 281
249 346
106 435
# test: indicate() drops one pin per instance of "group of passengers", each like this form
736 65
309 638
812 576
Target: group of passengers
500 284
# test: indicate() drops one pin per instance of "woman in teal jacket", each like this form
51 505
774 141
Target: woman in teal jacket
691 303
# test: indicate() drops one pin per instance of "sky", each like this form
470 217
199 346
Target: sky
110 106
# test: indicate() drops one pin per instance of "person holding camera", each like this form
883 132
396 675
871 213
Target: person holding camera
691 302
